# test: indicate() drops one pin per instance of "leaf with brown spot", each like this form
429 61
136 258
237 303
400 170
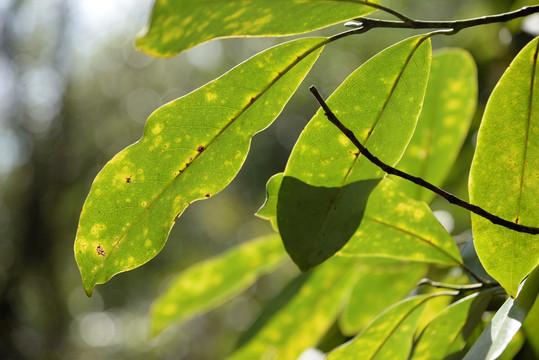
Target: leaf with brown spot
218 117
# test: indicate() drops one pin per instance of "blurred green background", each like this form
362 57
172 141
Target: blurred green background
74 92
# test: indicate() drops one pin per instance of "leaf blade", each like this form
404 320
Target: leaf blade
324 163
191 149
208 284
304 319
178 25
506 322
448 109
505 172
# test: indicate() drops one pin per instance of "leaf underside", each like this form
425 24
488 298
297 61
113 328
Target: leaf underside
177 25
504 177
191 149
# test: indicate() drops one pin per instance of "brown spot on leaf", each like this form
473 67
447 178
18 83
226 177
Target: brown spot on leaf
128 179
516 221
190 158
101 251
200 148
207 195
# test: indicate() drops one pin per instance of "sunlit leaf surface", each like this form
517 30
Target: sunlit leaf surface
389 336
208 284
178 25
326 183
305 319
378 287
447 112
191 149
398 227
504 178
438 337
506 322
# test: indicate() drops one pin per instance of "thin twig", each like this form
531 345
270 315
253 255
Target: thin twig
456 287
417 180
455 25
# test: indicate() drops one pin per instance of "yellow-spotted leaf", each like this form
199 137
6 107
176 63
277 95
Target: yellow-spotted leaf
178 25
447 112
378 287
191 149
398 227
326 184
389 336
438 337
208 284
303 321
504 178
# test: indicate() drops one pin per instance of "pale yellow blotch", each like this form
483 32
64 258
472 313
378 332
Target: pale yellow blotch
453 104
169 309
157 128
419 214
211 96
450 121
131 260
258 23
344 140
98 191
128 200
97 228
236 15
455 86
148 243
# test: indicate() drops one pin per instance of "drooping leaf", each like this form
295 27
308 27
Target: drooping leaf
504 178
268 211
506 322
398 227
447 112
303 321
191 149
529 327
208 284
437 338
389 336
378 287
178 25
380 103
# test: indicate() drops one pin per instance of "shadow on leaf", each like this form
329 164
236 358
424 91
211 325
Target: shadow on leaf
316 222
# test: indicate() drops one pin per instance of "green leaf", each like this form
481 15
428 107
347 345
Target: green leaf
191 149
529 327
268 211
326 181
305 319
378 287
389 336
398 227
178 25
504 177
437 338
447 112
208 284
506 322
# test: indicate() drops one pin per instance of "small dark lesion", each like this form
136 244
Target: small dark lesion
200 148
128 179
207 195
101 251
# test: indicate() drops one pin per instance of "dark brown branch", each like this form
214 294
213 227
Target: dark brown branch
417 180
455 25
